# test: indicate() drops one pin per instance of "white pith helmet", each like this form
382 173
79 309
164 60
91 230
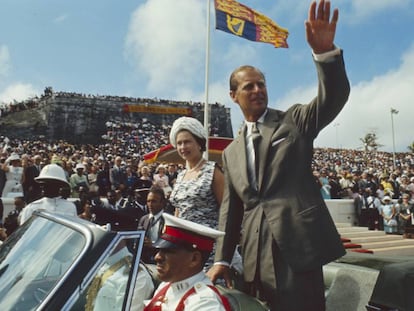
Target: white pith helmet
52 172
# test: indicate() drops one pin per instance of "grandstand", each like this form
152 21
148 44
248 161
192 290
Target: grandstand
83 119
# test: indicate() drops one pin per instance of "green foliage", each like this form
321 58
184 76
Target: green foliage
370 142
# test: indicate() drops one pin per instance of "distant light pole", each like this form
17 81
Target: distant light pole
336 133
393 111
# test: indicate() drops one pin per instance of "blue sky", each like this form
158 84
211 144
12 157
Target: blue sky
156 48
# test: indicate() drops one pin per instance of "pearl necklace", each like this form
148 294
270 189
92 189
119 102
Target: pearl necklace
189 170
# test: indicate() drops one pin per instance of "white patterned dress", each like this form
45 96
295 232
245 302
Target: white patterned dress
195 201
194 198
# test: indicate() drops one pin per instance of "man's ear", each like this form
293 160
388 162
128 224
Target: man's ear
196 258
233 96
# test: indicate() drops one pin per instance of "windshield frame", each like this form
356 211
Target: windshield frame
14 246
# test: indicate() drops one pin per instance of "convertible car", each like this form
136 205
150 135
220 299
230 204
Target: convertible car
52 262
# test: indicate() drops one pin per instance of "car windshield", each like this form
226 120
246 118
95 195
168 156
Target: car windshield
33 260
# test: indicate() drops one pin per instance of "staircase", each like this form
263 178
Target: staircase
360 239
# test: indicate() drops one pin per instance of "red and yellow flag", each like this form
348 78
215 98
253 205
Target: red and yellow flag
240 20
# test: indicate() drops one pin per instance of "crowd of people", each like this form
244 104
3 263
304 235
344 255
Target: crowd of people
36 101
268 204
340 173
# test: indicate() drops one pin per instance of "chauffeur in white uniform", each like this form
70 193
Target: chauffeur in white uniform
183 249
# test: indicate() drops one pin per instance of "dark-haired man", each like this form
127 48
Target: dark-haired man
153 222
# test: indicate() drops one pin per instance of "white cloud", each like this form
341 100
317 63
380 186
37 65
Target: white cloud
368 109
350 11
18 92
4 60
166 43
367 8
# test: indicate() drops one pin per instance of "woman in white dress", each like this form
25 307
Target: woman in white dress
14 172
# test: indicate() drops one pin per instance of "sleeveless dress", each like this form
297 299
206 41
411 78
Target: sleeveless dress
194 198
195 201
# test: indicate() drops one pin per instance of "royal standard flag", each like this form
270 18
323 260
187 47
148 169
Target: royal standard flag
240 20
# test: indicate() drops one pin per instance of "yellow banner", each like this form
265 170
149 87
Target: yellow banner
157 109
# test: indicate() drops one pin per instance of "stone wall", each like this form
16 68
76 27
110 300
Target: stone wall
81 118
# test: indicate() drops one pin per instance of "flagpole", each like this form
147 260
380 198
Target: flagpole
206 78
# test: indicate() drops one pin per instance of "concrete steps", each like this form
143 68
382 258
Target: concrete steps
407 250
378 242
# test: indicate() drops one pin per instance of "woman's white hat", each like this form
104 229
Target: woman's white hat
189 124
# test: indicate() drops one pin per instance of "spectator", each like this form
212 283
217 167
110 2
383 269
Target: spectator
131 179
145 180
111 200
335 188
361 210
325 185
31 189
117 175
172 174
153 222
92 179
86 210
347 184
387 186
160 179
79 179
103 179
51 178
14 173
388 213
373 206
405 215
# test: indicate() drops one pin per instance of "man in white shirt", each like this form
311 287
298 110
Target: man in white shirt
182 251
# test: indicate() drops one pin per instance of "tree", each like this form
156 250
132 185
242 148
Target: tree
411 147
370 142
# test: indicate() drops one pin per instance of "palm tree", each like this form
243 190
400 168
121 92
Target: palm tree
370 142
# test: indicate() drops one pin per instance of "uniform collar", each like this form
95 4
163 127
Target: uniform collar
186 284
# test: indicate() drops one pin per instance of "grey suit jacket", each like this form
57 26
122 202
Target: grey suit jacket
287 194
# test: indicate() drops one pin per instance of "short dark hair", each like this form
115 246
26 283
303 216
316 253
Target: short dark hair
233 81
158 191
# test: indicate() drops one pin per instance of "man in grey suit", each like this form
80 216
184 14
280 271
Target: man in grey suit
271 204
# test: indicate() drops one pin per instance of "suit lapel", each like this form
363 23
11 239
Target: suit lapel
237 156
267 128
